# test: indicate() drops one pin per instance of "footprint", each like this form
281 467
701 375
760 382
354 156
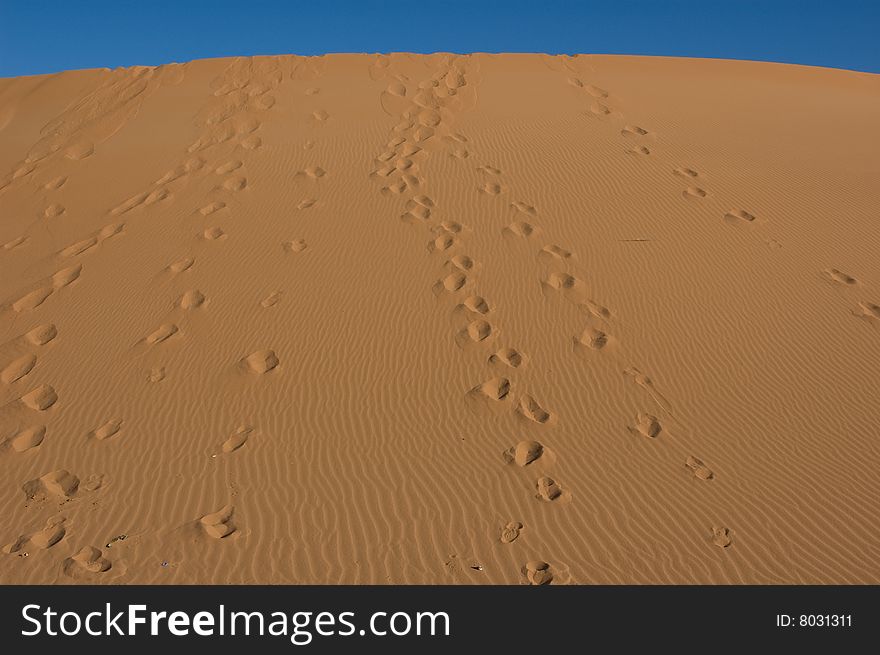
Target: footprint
647 425
271 300
252 142
79 247
595 91
476 331
648 385
161 333
721 537
869 310
496 389
32 300
548 489
314 172
218 524
305 204
452 283
416 212
42 540
54 211
235 183
192 299
463 263
107 430
213 234
80 151
555 252
633 130
839 276
510 532
699 469
26 439
442 243
593 338
492 188
736 215
18 368
537 572
261 361
509 357
599 109
66 276
524 453
694 192
531 409
491 170
42 334
475 305
237 439
15 243
521 229
87 562
525 208
228 167
55 183
641 150
685 172
58 484
180 265
297 245
41 398
564 283
320 116
597 310
212 208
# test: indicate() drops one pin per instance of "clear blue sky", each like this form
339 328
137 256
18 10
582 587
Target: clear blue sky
47 36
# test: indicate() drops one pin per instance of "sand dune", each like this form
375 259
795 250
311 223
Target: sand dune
508 319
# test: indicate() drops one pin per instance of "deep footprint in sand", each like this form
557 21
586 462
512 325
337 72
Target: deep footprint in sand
57 484
524 453
219 525
537 572
40 540
192 299
41 398
508 357
17 369
25 439
452 283
477 331
42 334
531 410
87 562
261 361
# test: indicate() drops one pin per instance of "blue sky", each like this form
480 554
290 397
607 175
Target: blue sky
42 37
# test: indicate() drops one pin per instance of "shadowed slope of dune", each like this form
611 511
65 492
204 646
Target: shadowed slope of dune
510 319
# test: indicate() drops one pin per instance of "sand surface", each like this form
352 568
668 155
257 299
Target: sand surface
440 319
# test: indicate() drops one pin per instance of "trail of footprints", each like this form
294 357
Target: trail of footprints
242 90
426 111
561 280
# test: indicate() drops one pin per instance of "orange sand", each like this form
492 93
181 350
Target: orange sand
440 319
